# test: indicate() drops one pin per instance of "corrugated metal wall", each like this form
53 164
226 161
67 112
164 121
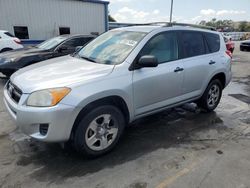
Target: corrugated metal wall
44 17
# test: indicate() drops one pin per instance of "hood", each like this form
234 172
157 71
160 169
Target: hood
19 53
58 72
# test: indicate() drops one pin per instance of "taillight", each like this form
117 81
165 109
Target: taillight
17 41
229 54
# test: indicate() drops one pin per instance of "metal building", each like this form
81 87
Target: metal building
43 19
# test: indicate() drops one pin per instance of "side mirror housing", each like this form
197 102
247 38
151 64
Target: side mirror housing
148 61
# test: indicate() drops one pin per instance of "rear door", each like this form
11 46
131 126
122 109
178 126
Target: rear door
196 61
160 86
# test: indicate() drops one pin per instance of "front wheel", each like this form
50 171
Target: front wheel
99 131
211 97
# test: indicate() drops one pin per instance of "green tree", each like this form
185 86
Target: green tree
111 19
244 26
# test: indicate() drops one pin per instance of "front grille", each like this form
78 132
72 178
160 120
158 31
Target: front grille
14 92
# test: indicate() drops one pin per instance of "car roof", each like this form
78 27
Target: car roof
150 28
3 31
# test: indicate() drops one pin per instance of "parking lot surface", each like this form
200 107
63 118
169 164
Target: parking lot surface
181 147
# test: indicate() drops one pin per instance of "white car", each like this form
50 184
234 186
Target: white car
8 42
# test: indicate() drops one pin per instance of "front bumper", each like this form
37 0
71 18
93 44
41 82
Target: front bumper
60 119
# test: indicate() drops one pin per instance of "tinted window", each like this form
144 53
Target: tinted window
213 41
192 44
163 46
21 32
77 42
8 34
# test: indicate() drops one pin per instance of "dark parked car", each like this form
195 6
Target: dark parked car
245 45
54 47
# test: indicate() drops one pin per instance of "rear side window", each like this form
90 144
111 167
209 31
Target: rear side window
213 41
192 44
8 34
163 46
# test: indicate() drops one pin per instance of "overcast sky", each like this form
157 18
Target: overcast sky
188 11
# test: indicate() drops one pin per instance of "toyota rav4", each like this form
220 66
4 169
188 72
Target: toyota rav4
125 74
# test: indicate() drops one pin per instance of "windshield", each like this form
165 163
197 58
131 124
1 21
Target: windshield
112 47
51 43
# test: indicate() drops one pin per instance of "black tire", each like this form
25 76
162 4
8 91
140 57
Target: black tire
6 49
203 102
83 129
242 49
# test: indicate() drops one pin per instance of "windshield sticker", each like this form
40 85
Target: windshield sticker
128 42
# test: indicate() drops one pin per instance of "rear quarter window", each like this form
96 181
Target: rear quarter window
213 41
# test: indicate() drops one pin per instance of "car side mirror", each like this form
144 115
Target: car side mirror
148 61
78 48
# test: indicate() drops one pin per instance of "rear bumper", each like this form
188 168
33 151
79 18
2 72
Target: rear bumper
228 78
60 119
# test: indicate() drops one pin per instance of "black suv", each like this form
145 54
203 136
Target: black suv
54 47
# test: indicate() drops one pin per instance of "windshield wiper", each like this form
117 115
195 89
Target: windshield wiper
87 58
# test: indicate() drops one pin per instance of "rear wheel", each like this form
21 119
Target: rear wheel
212 95
99 131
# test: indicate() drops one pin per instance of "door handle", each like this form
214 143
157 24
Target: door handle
212 62
178 69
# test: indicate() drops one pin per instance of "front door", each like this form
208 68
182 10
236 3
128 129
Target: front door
155 88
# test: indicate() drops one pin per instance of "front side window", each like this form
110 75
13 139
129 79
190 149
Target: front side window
163 46
51 43
193 44
112 47
81 41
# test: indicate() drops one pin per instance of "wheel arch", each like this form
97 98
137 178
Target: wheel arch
221 76
115 100
6 49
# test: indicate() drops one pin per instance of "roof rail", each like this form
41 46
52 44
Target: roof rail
167 24
195 25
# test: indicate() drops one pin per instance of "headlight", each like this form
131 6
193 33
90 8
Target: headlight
47 97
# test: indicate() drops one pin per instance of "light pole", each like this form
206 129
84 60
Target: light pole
171 11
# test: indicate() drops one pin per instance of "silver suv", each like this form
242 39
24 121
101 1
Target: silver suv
125 74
